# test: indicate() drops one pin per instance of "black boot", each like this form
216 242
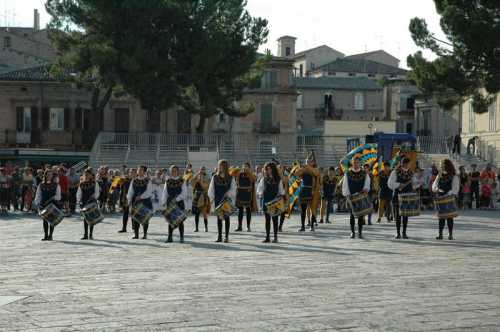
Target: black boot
196 222
450 229
136 230
145 230
169 238
441 228
353 224
227 224
181 233
360 228
205 220
405 226
398 228
219 230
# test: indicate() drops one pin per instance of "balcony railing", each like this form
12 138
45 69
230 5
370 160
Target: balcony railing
267 128
63 139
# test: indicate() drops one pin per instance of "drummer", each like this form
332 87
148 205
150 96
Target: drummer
174 190
270 187
446 183
88 192
311 181
355 181
201 202
245 196
140 191
47 192
402 181
221 187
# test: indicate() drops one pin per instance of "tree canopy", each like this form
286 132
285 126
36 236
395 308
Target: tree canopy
468 61
196 54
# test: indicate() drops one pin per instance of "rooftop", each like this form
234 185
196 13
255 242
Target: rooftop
300 54
365 54
352 65
34 74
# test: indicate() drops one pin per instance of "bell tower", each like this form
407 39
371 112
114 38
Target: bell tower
286 46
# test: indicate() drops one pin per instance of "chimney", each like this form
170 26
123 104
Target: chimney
36 20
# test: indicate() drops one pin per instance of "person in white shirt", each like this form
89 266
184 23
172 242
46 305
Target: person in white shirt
47 192
222 187
140 191
402 181
446 183
88 192
175 190
270 187
355 181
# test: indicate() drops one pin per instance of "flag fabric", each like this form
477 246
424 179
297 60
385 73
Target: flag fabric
294 186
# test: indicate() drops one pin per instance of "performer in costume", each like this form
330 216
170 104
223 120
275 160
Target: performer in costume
124 187
270 187
88 192
201 202
47 192
245 195
402 181
384 194
102 180
284 172
355 181
310 185
188 178
140 191
475 177
222 186
27 189
5 187
446 183
174 190
328 184
74 181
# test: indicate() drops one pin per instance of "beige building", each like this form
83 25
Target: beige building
486 127
25 47
38 111
433 120
332 98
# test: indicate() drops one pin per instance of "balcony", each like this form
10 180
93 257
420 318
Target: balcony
267 128
61 140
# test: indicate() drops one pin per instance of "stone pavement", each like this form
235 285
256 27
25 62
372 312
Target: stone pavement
322 281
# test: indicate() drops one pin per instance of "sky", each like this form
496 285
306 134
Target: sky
349 26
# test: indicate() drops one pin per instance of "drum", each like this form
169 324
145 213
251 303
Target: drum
446 206
174 215
225 208
141 213
275 207
360 204
92 214
409 204
52 215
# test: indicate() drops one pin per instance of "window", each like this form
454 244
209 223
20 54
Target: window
56 119
359 101
301 71
300 100
352 74
270 79
288 51
331 73
266 115
313 66
7 42
492 115
221 118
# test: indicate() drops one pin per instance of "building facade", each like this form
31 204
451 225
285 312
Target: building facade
379 56
433 120
332 98
486 127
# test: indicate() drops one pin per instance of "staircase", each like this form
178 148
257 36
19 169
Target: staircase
426 160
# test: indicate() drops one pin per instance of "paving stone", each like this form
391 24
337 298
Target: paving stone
321 281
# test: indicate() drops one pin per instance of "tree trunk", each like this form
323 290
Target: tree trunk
200 129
